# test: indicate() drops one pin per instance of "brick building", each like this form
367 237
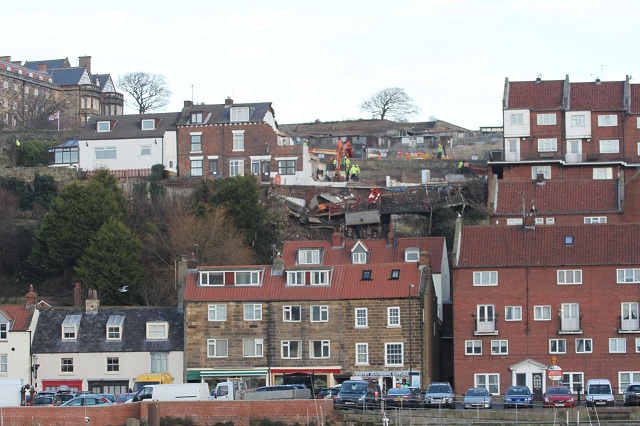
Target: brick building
527 297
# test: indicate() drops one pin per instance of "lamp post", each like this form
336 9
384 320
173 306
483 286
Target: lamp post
410 339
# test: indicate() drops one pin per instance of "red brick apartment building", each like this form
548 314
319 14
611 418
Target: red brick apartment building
527 297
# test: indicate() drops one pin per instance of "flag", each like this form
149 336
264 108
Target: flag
54 116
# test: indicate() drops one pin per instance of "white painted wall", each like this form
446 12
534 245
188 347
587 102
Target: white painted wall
522 130
578 132
18 350
127 154
170 151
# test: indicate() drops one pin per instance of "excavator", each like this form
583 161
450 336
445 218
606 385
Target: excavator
344 150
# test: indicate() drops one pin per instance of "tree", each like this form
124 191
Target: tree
32 111
149 91
393 102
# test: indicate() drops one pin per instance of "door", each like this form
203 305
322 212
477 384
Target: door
574 151
570 317
536 381
486 319
513 150
265 167
630 316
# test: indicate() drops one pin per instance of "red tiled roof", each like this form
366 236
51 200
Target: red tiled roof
558 196
606 96
542 95
19 314
345 283
496 246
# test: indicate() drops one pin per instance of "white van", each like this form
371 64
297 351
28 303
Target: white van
174 392
598 392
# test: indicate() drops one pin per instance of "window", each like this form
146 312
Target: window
253 312
145 150
211 278
70 327
547 145
596 219
366 275
394 354
213 166
66 155
217 313
287 167
490 382
578 121
485 319
319 313
626 377
637 344
545 171
570 317
557 346
484 278
629 316
628 276
568 239
609 146
395 274
113 332
412 255
238 140
542 313
607 120
66 365
106 153
575 381
617 345
359 258
196 168
295 278
103 126
319 348
247 278
4 330
26 90
252 348
196 142
362 353
309 257
499 347
584 346
236 168
513 313
4 364
239 114
514 222
393 317
217 348
196 117
148 124
516 119
157 330
319 277
159 362
113 364
291 349
362 319
570 276
473 347
637 121
546 119
291 313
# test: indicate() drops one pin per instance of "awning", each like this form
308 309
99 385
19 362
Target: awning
198 374
306 370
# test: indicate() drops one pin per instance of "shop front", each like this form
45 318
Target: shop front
390 379
256 378
53 385
322 377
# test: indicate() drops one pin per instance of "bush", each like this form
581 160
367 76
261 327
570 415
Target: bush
33 153
171 421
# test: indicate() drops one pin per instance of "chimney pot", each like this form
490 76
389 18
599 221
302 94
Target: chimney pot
228 101
77 295
336 238
188 104
31 297
192 263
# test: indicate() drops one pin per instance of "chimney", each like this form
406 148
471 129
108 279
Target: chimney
192 263
188 104
77 295
540 179
31 297
42 67
5 58
85 61
391 237
92 303
228 101
278 266
425 257
336 238
181 283
529 222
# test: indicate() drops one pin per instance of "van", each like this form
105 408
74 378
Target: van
151 379
358 394
598 392
174 392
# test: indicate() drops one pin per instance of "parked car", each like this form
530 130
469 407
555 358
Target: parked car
111 397
558 396
358 394
327 393
440 395
599 392
65 396
46 400
477 398
518 397
87 400
403 397
46 393
632 394
280 387
124 397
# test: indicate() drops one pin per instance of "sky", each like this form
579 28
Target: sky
320 59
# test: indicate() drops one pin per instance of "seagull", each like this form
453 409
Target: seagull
123 289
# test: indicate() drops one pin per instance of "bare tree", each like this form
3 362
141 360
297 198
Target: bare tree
32 109
149 91
393 102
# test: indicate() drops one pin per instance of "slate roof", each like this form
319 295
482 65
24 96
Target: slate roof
542 95
100 80
558 196
67 76
129 126
221 113
92 332
19 314
605 96
51 64
71 143
515 246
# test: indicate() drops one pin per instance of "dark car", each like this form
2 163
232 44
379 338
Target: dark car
358 394
558 396
518 397
632 394
46 400
439 395
327 393
404 398
87 400
65 396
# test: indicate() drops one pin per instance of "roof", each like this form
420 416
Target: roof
538 95
100 80
129 126
558 196
19 314
220 113
67 76
342 128
511 246
51 64
602 96
92 331
71 143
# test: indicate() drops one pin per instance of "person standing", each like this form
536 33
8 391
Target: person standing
439 151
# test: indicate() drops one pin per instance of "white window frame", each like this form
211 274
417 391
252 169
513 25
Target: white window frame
236 168
557 346
292 313
196 167
485 278
217 348
157 330
473 347
628 276
539 221
309 257
319 277
238 140
499 347
148 124
569 276
114 332
103 126
542 313
145 150
516 119
550 220
69 332
206 278
544 170
4 364
516 313
393 350
105 153
548 145
587 345
359 258
254 278
608 120
285 349
629 320
66 365
637 344
296 277
609 146
627 377
617 345
546 119
361 316
595 219
638 123
362 353
238 114
489 381
159 362
217 312
514 222
573 380
324 347
602 173
412 254
393 316
252 348
319 313
252 312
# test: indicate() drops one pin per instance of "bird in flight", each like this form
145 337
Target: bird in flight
123 289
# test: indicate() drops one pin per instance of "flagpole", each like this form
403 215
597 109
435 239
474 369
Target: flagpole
58 120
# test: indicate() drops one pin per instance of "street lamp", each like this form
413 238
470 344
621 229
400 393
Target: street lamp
410 339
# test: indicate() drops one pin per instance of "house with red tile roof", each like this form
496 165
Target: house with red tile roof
528 297
340 310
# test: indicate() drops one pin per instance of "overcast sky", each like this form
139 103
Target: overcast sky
320 59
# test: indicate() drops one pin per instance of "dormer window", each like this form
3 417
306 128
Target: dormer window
309 257
359 254
4 331
196 118
70 327
568 239
148 124
247 278
412 255
395 274
114 327
212 278
157 330
239 114
103 126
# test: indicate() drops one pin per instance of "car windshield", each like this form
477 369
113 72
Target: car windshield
399 391
518 391
559 391
438 389
123 397
354 387
599 389
634 388
477 392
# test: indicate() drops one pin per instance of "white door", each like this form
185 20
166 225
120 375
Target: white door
486 319
570 317
630 316
574 151
513 150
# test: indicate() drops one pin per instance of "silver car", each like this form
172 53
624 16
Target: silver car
477 398
439 395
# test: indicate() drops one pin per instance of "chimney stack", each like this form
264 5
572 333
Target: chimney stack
278 266
391 237
85 61
77 295
336 238
188 104
31 297
42 67
5 58
228 101
192 263
425 257
92 303
540 179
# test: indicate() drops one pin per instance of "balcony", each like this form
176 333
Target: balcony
485 326
575 157
629 326
569 325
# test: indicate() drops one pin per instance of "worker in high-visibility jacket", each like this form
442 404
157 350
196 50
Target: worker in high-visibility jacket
355 172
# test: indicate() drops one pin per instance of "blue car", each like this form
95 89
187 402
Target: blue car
518 397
